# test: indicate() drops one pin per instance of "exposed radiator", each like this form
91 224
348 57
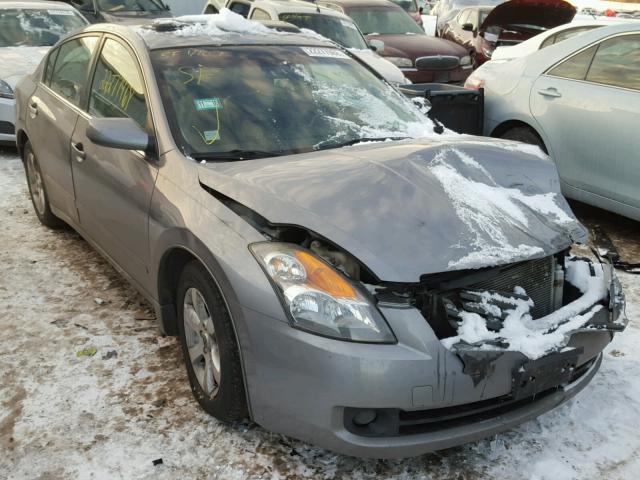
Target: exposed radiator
535 276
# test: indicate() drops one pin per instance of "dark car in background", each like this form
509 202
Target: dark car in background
121 11
397 37
412 8
481 29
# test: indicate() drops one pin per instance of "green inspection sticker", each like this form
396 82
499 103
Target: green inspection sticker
207 104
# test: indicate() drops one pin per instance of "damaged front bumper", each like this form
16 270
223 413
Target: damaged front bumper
402 400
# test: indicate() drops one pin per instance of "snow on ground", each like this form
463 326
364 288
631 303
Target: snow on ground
64 416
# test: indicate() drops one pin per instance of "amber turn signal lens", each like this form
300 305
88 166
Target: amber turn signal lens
323 278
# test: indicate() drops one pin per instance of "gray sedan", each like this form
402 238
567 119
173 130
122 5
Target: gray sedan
579 100
334 270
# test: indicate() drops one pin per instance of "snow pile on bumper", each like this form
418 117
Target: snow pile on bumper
536 338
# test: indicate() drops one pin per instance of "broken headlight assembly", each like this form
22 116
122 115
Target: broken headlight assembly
318 298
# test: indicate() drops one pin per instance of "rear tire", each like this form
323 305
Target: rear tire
524 135
209 345
38 190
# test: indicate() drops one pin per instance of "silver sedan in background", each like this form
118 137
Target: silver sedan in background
579 100
27 31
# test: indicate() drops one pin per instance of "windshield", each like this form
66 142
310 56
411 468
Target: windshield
37 28
115 6
341 31
410 6
277 100
384 21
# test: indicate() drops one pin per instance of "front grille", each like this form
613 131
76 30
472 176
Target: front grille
535 276
437 62
7 128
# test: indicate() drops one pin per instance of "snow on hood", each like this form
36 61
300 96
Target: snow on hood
536 338
19 61
542 13
413 207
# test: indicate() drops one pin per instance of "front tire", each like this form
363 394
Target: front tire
209 345
38 190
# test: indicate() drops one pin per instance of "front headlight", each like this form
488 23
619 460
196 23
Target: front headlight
318 298
5 90
400 61
488 50
465 61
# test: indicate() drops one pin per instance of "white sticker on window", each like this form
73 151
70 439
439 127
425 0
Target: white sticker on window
324 52
68 13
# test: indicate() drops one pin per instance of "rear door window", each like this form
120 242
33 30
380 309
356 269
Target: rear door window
575 67
617 63
118 90
69 75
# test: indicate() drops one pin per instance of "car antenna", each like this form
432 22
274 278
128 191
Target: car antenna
317 6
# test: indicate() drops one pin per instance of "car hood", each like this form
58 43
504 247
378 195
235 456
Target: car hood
542 13
385 68
414 46
133 18
19 61
410 208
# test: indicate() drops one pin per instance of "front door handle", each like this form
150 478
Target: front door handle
33 109
550 92
79 152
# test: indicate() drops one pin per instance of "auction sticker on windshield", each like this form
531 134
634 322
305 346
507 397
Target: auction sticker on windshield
324 52
207 104
68 13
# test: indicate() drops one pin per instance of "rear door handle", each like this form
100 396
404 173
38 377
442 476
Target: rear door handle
550 92
79 152
33 109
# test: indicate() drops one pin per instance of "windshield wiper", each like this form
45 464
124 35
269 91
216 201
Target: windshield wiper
237 154
359 140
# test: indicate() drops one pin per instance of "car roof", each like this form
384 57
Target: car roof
35 5
192 31
361 3
298 6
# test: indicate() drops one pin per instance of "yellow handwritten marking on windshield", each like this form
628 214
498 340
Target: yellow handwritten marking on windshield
203 136
191 76
118 88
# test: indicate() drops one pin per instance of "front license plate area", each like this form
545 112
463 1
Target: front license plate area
543 374
441 77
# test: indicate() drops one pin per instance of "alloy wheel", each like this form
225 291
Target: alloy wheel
202 343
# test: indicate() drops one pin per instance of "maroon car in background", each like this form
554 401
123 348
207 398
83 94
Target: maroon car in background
399 39
481 29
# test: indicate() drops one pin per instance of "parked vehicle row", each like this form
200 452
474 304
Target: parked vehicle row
333 270
480 29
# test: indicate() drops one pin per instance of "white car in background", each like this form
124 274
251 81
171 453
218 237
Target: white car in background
578 100
27 30
551 37
328 22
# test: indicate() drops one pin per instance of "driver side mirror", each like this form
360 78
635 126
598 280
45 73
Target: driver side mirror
376 45
120 133
467 27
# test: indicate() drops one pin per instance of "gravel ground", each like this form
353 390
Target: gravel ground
111 414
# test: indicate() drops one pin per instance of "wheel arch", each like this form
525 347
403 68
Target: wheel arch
171 263
21 141
509 124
